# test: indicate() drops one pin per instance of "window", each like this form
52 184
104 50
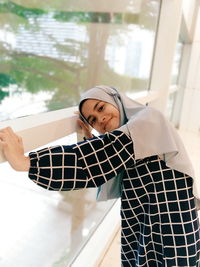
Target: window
177 62
52 51
172 99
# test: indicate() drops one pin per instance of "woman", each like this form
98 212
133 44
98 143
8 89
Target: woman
140 156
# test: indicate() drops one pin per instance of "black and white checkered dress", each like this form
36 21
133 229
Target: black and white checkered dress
160 225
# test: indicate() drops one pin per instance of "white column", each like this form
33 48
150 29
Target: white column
168 32
177 109
190 117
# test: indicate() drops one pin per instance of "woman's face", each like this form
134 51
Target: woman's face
102 116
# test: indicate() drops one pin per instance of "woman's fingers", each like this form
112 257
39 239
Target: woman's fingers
86 129
80 123
2 136
2 140
83 125
13 149
8 134
7 131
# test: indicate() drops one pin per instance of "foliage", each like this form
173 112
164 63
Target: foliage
11 7
6 80
35 72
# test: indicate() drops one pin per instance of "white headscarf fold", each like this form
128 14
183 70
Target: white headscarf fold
151 133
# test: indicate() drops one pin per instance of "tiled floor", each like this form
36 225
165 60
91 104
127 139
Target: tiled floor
192 144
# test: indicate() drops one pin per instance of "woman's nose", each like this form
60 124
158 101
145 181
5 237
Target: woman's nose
102 119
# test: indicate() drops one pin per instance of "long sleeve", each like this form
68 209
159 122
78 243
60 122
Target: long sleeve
86 164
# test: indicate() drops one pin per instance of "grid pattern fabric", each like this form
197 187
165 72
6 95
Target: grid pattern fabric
159 221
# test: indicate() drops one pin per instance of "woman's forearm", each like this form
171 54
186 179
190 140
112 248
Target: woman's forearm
23 164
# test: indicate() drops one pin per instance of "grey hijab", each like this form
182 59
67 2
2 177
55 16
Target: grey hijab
111 189
151 133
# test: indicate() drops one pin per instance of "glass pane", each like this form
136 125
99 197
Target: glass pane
170 105
174 78
177 63
44 228
51 51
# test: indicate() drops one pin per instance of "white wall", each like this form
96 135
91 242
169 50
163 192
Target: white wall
188 10
190 116
167 37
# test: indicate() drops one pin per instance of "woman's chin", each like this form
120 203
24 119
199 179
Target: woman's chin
112 127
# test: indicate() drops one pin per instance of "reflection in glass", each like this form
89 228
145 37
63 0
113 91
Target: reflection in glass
177 62
44 228
170 105
51 52
174 79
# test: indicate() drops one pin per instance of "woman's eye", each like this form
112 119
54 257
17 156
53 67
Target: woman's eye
93 121
101 108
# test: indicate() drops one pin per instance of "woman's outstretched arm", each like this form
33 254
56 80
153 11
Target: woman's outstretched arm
86 164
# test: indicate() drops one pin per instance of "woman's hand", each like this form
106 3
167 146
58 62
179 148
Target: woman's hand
13 150
85 127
